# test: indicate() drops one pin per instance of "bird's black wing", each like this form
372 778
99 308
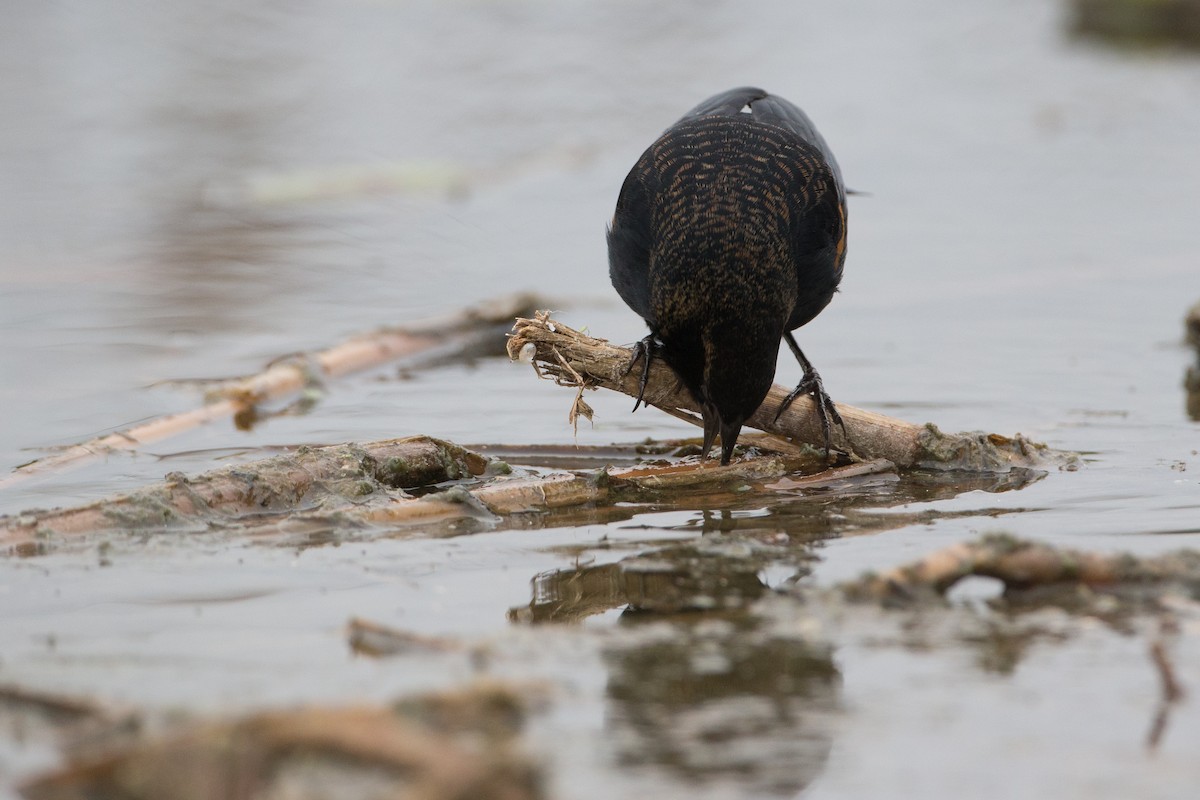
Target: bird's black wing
819 209
629 239
631 233
818 197
727 103
775 110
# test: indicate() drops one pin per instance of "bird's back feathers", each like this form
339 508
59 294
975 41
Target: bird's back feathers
729 231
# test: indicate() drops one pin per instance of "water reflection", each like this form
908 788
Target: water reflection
705 575
699 684
738 540
702 685
775 510
722 701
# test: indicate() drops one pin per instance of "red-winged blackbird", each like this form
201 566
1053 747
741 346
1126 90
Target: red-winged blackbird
729 233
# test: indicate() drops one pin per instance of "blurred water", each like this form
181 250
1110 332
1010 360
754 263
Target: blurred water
1031 224
1023 261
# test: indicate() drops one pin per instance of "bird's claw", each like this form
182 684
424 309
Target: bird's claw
646 349
812 385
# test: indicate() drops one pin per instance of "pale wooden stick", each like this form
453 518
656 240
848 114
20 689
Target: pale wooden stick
458 332
550 344
332 476
362 485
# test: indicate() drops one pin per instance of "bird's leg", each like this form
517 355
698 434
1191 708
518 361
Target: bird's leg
646 348
712 426
729 437
811 384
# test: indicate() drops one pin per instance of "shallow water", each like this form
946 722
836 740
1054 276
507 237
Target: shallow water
176 206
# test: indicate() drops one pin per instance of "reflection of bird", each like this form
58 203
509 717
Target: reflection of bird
730 232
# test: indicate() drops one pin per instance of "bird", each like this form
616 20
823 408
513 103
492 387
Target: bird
730 233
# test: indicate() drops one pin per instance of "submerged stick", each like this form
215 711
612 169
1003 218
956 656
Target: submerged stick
566 356
327 478
364 485
457 333
1021 564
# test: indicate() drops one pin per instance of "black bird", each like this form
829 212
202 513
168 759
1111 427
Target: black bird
730 233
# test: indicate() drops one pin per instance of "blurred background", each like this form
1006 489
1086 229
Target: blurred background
192 189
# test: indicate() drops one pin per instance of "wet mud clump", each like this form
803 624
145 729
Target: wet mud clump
458 745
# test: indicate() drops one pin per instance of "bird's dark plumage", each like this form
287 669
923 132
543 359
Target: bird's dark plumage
729 233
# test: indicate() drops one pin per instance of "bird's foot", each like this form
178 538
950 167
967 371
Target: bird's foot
645 349
811 385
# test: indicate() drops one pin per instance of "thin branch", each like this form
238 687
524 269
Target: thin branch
443 336
571 358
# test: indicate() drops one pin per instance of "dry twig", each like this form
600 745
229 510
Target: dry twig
461 332
571 358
